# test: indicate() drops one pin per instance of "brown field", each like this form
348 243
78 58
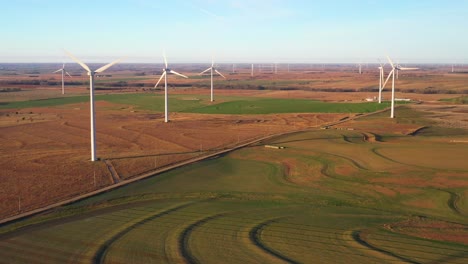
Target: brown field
45 159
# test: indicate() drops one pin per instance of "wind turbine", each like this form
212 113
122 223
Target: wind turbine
212 68
395 67
166 71
63 72
91 74
381 81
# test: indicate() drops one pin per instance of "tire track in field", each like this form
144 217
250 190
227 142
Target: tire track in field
185 236
255 238
113 172
356 236
101 252
453 201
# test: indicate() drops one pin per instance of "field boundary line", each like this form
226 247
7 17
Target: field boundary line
174 166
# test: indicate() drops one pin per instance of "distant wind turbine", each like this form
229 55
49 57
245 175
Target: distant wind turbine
360 68
166 71
212 68
63 72
395 67
91 74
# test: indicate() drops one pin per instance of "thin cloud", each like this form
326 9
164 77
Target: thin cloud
210 13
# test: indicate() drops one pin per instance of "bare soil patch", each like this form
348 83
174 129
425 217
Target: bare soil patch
453 116
431 229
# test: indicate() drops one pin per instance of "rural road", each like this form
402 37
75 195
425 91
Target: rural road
119 182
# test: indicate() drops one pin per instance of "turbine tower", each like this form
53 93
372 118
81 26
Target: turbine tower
166 71
395 67
63 73
359 66
91 74
381 77
212 68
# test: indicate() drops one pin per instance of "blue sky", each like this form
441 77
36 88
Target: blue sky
235 30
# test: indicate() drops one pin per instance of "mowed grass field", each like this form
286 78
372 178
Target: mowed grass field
330 196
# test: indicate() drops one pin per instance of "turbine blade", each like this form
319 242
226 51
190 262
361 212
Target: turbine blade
212 61
408 69
105 67
388 78
63 66
57 71
160 78
78 61
176 73
205 71
391 62
165 59
68 74
220 74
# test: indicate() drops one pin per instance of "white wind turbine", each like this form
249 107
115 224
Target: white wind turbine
212 68
381 81
63 73
166 70
91 74
359 65
392 73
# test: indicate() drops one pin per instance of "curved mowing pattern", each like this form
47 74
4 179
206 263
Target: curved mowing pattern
255 237
185 237
356 235
100 254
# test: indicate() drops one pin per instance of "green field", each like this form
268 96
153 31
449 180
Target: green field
328 197
270 106
457 100
201 104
